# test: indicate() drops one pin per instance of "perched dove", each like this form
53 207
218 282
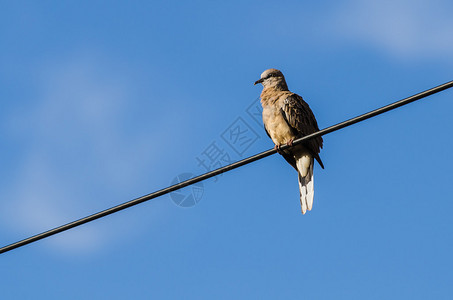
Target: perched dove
286 117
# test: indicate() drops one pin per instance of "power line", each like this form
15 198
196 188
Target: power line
225 168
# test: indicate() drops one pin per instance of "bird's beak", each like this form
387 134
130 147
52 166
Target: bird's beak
259 81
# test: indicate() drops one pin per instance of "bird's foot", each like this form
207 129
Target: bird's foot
290 142
277 147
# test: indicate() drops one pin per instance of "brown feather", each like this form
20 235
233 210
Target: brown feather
299 116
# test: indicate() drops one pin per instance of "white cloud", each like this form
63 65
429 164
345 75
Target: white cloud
41 202
74 140
404 28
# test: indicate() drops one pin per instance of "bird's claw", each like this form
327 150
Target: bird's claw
277 146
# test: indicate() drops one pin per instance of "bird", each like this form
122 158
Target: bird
286 117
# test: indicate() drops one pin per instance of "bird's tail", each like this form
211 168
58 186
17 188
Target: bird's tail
305 169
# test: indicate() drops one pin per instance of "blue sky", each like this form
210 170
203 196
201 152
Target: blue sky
103 102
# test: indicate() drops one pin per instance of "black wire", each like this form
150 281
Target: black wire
224 169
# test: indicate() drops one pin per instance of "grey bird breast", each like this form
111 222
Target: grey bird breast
276 125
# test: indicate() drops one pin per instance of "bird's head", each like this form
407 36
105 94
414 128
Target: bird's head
272 78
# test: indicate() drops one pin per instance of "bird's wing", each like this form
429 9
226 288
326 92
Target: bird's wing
299 116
